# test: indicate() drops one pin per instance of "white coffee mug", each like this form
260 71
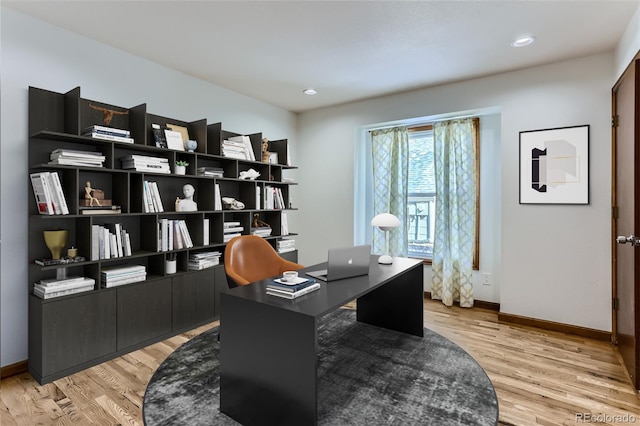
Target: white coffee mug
289 276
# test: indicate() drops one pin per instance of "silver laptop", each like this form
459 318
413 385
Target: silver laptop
345 263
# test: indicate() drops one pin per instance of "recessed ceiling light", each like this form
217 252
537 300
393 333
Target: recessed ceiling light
523 41
309 91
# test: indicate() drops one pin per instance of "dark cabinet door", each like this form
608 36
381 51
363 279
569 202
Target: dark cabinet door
193 298
144 312
75 330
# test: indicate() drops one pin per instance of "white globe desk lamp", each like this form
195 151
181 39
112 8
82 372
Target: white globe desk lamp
386 222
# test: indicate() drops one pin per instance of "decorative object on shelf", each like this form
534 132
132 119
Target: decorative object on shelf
232 203
191 145
107 114
181 167
158 136
554 166
265 150
56 240
72 253
174 140
273 158
250 174
184 132
187 204
386 222
171 264
93 197
257 223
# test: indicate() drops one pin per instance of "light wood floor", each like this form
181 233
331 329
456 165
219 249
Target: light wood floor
541 378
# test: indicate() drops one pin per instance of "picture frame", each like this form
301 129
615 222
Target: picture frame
174 140
273 158
554 165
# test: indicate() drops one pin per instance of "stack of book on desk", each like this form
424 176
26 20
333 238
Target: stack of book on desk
297 288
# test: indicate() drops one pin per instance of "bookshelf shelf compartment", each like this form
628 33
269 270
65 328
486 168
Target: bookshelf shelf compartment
72 332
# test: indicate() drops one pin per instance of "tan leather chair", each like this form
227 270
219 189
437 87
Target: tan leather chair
250 258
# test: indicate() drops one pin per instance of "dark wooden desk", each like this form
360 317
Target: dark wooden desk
268 345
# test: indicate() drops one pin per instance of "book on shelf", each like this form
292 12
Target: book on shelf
65 292
285 246
108 137
108 241
293 295
158 136
210 171
284 224
263 231
230 224
72 157
98 210
203 260
233 229
205 232
248 148
107 130
217 197
119 275
228 237
47 190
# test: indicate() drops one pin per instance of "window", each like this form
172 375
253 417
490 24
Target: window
421 193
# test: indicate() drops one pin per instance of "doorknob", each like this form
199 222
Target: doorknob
630 239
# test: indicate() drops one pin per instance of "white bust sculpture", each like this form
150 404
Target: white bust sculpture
187 204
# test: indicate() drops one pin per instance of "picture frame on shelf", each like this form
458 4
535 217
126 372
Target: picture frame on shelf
554 166
174 140
184 132
273 158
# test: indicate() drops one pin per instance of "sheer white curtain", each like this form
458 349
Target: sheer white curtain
455 172
390 157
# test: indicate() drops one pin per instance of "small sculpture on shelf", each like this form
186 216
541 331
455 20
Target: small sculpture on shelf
93 197
107 114
257 223
56 240
250 174
265 150
187 204
232 203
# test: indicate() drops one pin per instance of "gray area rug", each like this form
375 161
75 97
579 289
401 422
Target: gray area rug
367 376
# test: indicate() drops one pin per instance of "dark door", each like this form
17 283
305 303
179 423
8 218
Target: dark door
626 220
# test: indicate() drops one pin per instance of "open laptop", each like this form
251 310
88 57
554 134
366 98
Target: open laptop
345 263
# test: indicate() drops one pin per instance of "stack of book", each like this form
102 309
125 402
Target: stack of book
203 260
119 275
210 171
48 289
144 163
70 157
108 133
231 230
151 200
284 246
173 234
92 210
238 147
47 189
297 288
263 231
273 198
109 241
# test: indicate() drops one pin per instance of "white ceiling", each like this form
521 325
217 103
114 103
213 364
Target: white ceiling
347 50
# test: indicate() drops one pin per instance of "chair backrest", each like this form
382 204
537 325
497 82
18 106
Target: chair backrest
250 258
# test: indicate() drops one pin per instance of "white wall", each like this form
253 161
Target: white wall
629 44
40 55
548 262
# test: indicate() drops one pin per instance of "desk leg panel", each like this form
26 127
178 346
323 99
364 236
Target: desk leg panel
268 364
396 305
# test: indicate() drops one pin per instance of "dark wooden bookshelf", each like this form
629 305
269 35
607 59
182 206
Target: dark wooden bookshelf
70 333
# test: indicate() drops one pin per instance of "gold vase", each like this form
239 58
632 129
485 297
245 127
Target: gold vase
56 242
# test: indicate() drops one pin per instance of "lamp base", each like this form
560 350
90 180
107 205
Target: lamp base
385 259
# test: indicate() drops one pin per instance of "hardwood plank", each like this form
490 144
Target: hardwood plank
541 377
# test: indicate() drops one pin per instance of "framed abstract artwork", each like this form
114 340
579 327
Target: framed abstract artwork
554 166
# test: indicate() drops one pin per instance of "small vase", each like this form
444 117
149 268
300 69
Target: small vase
191 145
170 267
180 170
56 241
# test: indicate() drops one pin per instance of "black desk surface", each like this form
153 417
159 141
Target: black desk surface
331 295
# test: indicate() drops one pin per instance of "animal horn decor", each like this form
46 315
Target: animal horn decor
107 114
